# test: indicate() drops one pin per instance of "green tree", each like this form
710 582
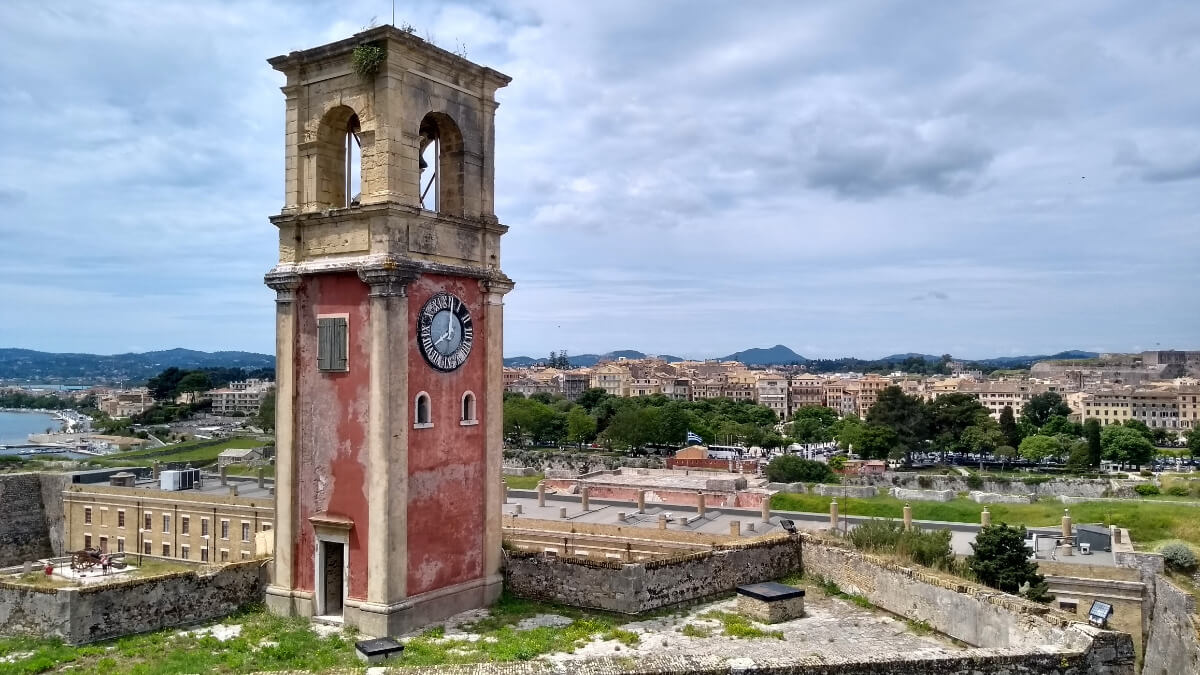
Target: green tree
1091 431
1079 457
194 382
1126 445
813 424
876 442
795 469
1041 407
904 415
983 437
266 412
837 462
1008 427
1038 447
1193 442
581 427
848 432
949 416
1002 561
590 399
1059 424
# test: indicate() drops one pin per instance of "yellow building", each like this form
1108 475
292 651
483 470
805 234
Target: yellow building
208 523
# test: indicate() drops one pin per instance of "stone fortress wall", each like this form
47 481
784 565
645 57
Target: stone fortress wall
24 529
80 615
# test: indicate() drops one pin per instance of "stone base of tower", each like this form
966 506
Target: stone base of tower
285 602
418 611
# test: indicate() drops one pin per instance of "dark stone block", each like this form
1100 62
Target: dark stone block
374 651
769 591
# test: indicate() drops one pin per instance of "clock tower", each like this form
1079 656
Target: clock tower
389 321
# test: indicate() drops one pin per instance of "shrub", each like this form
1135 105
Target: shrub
974 481
925 482
929 548
876 535
1146 474
794 469
1179 557
1146 489
1178 491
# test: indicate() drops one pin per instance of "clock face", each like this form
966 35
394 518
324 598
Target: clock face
445 332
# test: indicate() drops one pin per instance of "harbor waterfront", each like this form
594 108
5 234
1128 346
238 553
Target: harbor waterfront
15 426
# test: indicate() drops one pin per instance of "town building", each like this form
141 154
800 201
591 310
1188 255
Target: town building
240 398
126 402
803 391
214 520
771 391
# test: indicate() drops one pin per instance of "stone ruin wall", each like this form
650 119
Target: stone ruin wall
633 588
1173 641
979 616
576 463
80 615
1092 488
24 531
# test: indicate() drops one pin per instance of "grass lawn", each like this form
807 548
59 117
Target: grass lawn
523 482
197 452
1148 522
271 643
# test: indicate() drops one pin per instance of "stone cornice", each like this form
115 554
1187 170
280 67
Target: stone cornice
402 266
284 283
487 223
388 278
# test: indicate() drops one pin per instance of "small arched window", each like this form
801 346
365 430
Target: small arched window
440 160
468 410
424 416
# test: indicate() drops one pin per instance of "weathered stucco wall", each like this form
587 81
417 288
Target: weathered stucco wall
1172 643
23 519
639 587
331 426
88 614
447 462
976 615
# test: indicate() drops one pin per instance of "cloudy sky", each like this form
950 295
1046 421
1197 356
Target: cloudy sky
846 178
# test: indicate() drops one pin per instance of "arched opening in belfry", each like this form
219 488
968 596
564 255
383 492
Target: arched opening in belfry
440 160
339 159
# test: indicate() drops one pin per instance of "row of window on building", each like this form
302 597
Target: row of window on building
148 549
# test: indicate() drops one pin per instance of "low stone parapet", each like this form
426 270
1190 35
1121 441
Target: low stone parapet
855 491
994 498
923 495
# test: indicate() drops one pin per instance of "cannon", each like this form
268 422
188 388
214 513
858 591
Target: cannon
88 558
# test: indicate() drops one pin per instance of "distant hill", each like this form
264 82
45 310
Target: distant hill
33 366
586 360
1027 361
771 356
895 358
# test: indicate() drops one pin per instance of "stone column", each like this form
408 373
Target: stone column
1066 548
262 477
907 517
517 509
562 512
493 314
541 490
505 494
735 528
641 501
700 506
766 509
985 518
285 285
583 497
387 433
662 521
833 514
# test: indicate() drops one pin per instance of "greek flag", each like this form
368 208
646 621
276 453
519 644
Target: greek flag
693 437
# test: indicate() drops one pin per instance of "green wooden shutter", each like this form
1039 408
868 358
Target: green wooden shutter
324 343
338 360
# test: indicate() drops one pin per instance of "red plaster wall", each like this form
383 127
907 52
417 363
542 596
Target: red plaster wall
446 463
331 425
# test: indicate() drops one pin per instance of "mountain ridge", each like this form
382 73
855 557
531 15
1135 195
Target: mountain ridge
33 365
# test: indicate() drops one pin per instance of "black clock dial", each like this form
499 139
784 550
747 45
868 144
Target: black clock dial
445 332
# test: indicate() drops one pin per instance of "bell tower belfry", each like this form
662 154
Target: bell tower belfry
389 320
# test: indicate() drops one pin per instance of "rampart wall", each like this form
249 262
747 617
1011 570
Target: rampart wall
632 588
1172 644
80 615
24 534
